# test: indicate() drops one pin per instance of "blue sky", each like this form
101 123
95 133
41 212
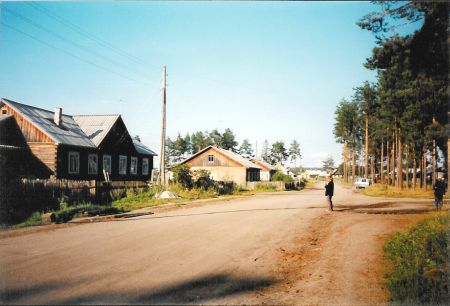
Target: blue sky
267 70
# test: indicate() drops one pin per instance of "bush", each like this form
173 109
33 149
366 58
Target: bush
182 175
279 176
202 179
419 260
223 188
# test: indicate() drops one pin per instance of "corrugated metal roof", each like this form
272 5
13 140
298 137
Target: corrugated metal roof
96 127
142 149
236 157
68 133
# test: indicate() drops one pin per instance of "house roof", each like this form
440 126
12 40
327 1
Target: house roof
236 157
96 127
142 149
264 164
83 130
68 133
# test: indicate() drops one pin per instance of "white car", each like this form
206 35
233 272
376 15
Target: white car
362 182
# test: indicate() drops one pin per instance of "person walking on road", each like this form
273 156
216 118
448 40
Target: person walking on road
439 191
329 192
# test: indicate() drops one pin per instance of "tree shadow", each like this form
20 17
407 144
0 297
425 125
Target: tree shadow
194 291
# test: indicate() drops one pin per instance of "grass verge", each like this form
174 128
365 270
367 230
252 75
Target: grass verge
419 260
382 190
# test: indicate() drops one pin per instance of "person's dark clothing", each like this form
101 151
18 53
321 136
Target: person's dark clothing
439 189
329 189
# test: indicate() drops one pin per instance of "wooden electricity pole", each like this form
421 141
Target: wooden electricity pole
162 156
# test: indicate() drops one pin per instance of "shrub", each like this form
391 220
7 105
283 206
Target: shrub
280 176
202 179
419 262
223 188
182 175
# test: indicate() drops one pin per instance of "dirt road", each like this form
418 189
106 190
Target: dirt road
272 248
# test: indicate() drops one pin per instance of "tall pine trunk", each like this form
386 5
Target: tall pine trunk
353 163
372 168
366 165
393 160
400 161
407 165
433 165
414 173
388 163
382 161
346 161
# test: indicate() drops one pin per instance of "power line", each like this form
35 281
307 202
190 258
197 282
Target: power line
71 54
85 33
33 23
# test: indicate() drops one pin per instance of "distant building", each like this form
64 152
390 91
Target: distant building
267 170
80 147
224 165
315 173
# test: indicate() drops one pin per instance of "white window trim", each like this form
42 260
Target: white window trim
77 154
146 168
108 157
211 161
131 163
122 157
96 163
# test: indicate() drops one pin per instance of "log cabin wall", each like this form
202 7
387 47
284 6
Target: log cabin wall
46 153
29 131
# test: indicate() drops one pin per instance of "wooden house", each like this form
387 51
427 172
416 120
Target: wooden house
81 147
224 165
16 159
267 170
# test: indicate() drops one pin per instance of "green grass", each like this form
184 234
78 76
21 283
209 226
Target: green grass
419 262
265 187
34 219
382 190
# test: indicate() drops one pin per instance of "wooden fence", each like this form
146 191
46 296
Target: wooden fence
78 191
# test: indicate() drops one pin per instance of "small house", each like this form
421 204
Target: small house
80 147
224 165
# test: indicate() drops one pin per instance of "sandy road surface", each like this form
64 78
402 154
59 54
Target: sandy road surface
276 248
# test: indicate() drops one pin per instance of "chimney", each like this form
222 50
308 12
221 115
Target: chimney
58 114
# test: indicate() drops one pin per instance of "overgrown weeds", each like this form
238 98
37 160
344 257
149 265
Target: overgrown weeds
419 260
383 190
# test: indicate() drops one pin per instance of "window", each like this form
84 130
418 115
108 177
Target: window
107 163
210 158
122 164
74 162
4 111
133 166
145 166
92 163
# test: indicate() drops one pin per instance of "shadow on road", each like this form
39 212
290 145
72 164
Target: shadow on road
200 214
194 291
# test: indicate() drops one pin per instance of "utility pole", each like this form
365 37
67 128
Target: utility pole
162 156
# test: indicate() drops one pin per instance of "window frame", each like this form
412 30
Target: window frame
77 155
123 157
133 158
109 158
146 162
96 163
210 158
